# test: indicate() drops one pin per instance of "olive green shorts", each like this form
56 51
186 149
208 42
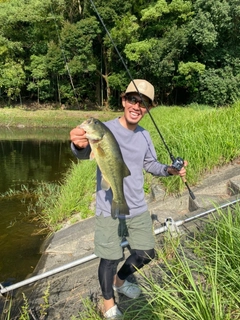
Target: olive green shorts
108 243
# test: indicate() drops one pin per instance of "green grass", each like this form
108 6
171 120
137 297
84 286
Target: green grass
203 285
36 133
206 138
20 117
71 200
191 278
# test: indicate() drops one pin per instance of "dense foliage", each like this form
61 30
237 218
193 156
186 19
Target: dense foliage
58 50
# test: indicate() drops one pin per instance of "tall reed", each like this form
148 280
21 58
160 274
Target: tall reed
206 138
74 195
199 280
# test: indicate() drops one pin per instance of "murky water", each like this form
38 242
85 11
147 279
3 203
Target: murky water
25 159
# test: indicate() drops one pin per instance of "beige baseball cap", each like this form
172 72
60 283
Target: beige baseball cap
144 87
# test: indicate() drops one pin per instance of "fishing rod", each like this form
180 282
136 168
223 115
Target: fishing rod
177 162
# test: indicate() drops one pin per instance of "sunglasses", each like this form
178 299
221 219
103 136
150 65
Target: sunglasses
143 103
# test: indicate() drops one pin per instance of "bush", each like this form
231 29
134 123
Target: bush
218 87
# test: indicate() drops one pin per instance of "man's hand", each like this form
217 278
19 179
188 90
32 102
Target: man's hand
175 172
78 137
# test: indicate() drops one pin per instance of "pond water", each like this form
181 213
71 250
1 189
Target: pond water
26 158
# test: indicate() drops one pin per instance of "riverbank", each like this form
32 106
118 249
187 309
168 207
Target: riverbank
65 293
186 132
23 117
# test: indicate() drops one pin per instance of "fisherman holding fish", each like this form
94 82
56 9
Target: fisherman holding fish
122 149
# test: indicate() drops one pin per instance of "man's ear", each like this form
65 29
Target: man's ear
150 107
123 102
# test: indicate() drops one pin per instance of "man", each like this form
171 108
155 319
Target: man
138 153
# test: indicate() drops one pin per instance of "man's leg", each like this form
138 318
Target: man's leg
106 271
141 238
135 261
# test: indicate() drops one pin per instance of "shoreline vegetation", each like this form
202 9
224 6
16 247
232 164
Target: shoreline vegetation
49 118
206 137
193 278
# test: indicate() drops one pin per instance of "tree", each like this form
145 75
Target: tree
12 79
25 29
161 45
214 41
62 52
40 83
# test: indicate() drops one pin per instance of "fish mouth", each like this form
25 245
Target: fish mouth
86 123
91 132
83 124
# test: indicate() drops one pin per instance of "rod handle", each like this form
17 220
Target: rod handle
189 190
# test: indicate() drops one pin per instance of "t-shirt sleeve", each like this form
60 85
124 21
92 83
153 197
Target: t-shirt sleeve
151 164
83 153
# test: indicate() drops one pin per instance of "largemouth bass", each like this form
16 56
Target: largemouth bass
108 156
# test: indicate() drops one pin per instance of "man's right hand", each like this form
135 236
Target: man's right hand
78 137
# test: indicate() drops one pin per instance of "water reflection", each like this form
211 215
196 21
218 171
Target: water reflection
25 162
19 241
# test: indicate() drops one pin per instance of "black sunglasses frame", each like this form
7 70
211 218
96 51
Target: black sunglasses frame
142 102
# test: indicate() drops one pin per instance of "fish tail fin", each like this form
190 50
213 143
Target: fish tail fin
119 209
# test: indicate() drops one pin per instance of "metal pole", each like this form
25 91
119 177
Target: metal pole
48 273
93 256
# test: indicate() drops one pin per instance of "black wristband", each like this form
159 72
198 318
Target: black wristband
166 170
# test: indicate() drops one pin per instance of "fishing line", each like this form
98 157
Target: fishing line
176 162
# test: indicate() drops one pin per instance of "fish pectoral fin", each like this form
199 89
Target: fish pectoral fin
91 157
105 185
126 171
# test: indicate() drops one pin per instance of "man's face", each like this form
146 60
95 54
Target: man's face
135 107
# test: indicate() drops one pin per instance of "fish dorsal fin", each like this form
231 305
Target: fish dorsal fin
105 185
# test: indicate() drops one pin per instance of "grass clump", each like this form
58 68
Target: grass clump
15 117
74 195
25 309
207 138
90 311
222 247
198 284
193 278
